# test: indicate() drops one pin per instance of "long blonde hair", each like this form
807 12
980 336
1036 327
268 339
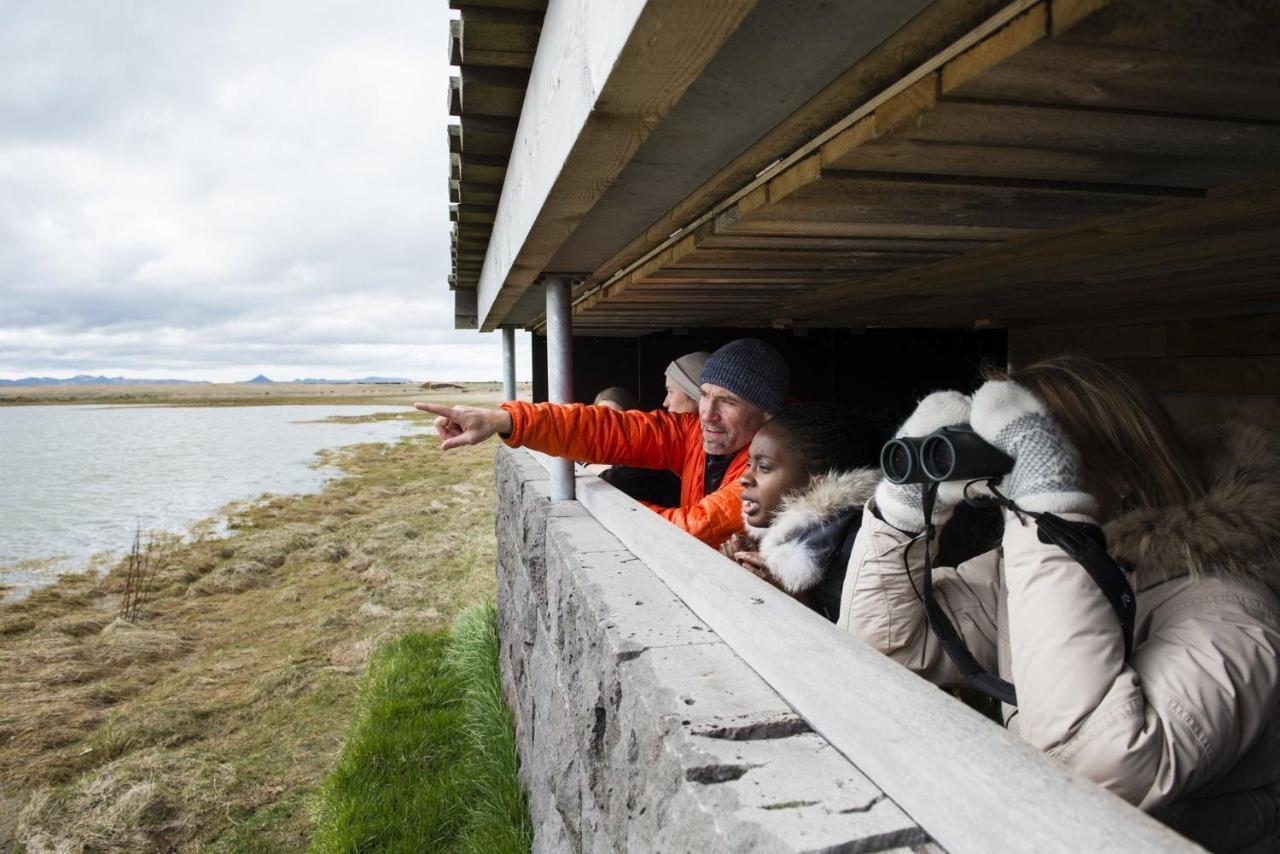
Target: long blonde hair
1126 439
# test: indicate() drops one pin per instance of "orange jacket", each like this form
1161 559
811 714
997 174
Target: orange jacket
656 440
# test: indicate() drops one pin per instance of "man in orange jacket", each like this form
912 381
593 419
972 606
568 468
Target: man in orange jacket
743 384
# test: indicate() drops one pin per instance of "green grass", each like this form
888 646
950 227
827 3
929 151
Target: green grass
429 763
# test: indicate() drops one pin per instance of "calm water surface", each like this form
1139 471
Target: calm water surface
76 480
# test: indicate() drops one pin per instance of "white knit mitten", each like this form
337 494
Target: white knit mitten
899 503
1047 475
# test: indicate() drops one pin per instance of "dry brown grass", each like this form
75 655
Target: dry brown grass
208 722
242 394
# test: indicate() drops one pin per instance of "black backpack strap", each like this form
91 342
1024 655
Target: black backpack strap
943 629
978 676
1083 543
1087 546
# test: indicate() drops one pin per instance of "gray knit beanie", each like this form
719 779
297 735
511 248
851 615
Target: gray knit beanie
684 372
752 370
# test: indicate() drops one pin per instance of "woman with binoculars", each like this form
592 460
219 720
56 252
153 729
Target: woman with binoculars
1185 725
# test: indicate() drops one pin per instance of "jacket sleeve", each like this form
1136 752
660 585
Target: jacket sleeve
715 518
880 603
598 434
1189 703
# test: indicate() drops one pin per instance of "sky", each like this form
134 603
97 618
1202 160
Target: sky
213 190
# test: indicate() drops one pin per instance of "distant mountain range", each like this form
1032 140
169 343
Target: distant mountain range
86 379
260 380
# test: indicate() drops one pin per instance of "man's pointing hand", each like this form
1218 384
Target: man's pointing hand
466 425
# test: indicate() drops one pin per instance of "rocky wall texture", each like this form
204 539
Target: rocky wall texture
638 728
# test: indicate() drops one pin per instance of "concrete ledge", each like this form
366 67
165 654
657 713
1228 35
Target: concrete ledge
638 728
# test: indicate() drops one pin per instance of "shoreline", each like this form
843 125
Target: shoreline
211 719
25 569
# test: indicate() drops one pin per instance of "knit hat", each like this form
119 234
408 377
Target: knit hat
752 370
684 372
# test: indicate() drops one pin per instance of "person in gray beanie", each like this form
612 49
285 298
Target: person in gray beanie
741 385
683 378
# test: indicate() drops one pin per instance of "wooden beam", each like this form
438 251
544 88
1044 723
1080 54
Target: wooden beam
474 231
786 242
924 203
484 91
1016 36
487 135
1017 140
1239 31
481 168
475 193
1127 78
604 76
455 42
455 95
807 261
464 308
522 5
499 37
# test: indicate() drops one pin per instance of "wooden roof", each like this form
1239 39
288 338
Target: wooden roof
988 162
1083 157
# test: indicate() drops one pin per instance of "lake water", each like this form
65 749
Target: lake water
76 480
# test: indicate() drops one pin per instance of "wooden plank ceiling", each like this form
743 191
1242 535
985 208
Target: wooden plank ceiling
492 43
1085 157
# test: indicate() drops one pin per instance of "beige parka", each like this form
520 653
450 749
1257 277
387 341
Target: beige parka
1186 728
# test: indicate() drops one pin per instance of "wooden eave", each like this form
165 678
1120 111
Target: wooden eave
493 44
1065 158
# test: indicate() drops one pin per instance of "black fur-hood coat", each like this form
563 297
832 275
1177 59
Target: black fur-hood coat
814 529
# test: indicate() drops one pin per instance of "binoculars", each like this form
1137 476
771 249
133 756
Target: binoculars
952 453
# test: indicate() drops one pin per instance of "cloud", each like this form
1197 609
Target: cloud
218 189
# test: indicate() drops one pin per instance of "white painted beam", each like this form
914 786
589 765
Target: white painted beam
580 41
605 74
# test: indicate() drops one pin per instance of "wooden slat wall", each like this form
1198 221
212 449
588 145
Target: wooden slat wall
1206 370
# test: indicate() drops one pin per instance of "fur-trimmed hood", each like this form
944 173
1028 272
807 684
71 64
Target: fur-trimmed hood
1233 530
801 539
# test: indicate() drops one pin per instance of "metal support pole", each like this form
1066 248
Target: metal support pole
508 363
560 372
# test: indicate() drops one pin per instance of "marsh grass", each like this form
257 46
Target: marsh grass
251 394
208 723
430 761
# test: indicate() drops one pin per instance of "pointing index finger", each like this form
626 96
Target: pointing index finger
436 409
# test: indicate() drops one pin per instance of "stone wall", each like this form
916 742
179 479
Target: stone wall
638 728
